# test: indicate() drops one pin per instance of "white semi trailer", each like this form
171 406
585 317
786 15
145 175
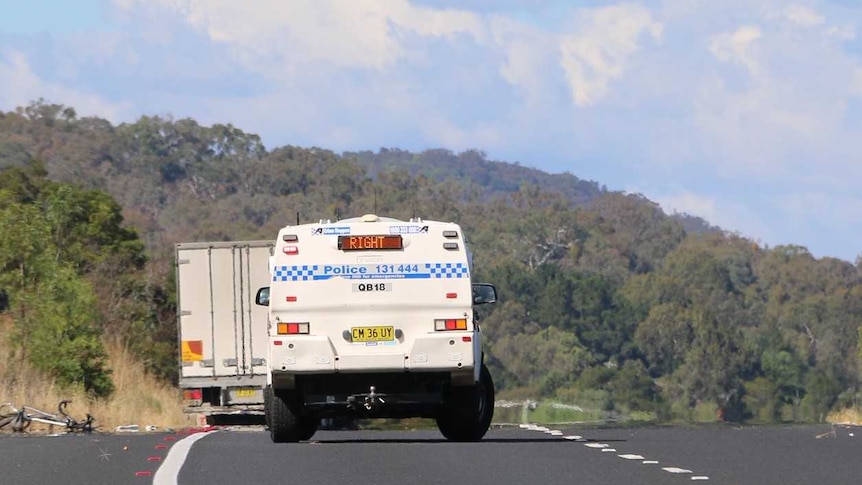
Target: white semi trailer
373 317
222 333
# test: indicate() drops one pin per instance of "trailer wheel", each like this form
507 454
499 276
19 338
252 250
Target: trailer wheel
267 399
467 411
283 417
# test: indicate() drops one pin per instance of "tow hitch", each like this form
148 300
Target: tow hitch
369 401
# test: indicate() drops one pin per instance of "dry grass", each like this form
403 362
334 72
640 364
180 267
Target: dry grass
846 416
139 398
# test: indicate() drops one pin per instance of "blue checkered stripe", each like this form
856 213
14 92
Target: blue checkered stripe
294 273
448 270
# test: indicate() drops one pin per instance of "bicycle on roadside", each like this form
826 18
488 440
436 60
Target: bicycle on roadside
19 420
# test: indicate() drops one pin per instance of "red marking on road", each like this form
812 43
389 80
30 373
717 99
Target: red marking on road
154 458
144 473
170 438
199 429
161 447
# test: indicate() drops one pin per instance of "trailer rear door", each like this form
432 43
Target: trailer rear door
222 333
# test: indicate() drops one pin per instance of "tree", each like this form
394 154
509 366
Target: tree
53 307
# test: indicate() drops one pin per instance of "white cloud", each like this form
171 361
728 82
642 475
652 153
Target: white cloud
737 47
22 86
782 117
528 55
806 18
847 32
803 16
598 53
357 33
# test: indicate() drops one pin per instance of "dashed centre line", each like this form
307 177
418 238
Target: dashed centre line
631 457
605 448
673 469
596 445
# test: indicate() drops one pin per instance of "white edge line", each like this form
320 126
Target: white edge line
168 473
700 478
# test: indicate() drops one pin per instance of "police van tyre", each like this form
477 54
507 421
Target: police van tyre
286 424
467 413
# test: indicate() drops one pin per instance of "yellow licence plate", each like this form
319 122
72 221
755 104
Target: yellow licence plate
245 392
372 334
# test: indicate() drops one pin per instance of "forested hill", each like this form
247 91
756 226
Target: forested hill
606 301
493 178
473 168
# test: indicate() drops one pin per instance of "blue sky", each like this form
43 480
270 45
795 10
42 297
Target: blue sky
748 114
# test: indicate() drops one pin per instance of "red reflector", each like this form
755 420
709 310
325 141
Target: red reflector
451 324
277 342
292 328
451 295
192 394
291 250
291 298
467 339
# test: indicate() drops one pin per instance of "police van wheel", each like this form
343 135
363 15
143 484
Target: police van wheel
283 417
467 412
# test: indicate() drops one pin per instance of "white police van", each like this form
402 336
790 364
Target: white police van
373 317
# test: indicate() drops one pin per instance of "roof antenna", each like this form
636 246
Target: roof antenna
375 200
336 214
297 218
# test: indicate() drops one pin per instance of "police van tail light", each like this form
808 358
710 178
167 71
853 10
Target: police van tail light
450 324
285 328
291 250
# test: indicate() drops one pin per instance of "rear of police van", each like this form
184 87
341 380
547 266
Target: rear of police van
368 309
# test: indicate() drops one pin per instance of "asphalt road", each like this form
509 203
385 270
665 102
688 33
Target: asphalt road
654 455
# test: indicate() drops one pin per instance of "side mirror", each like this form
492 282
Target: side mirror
484 293
262 297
